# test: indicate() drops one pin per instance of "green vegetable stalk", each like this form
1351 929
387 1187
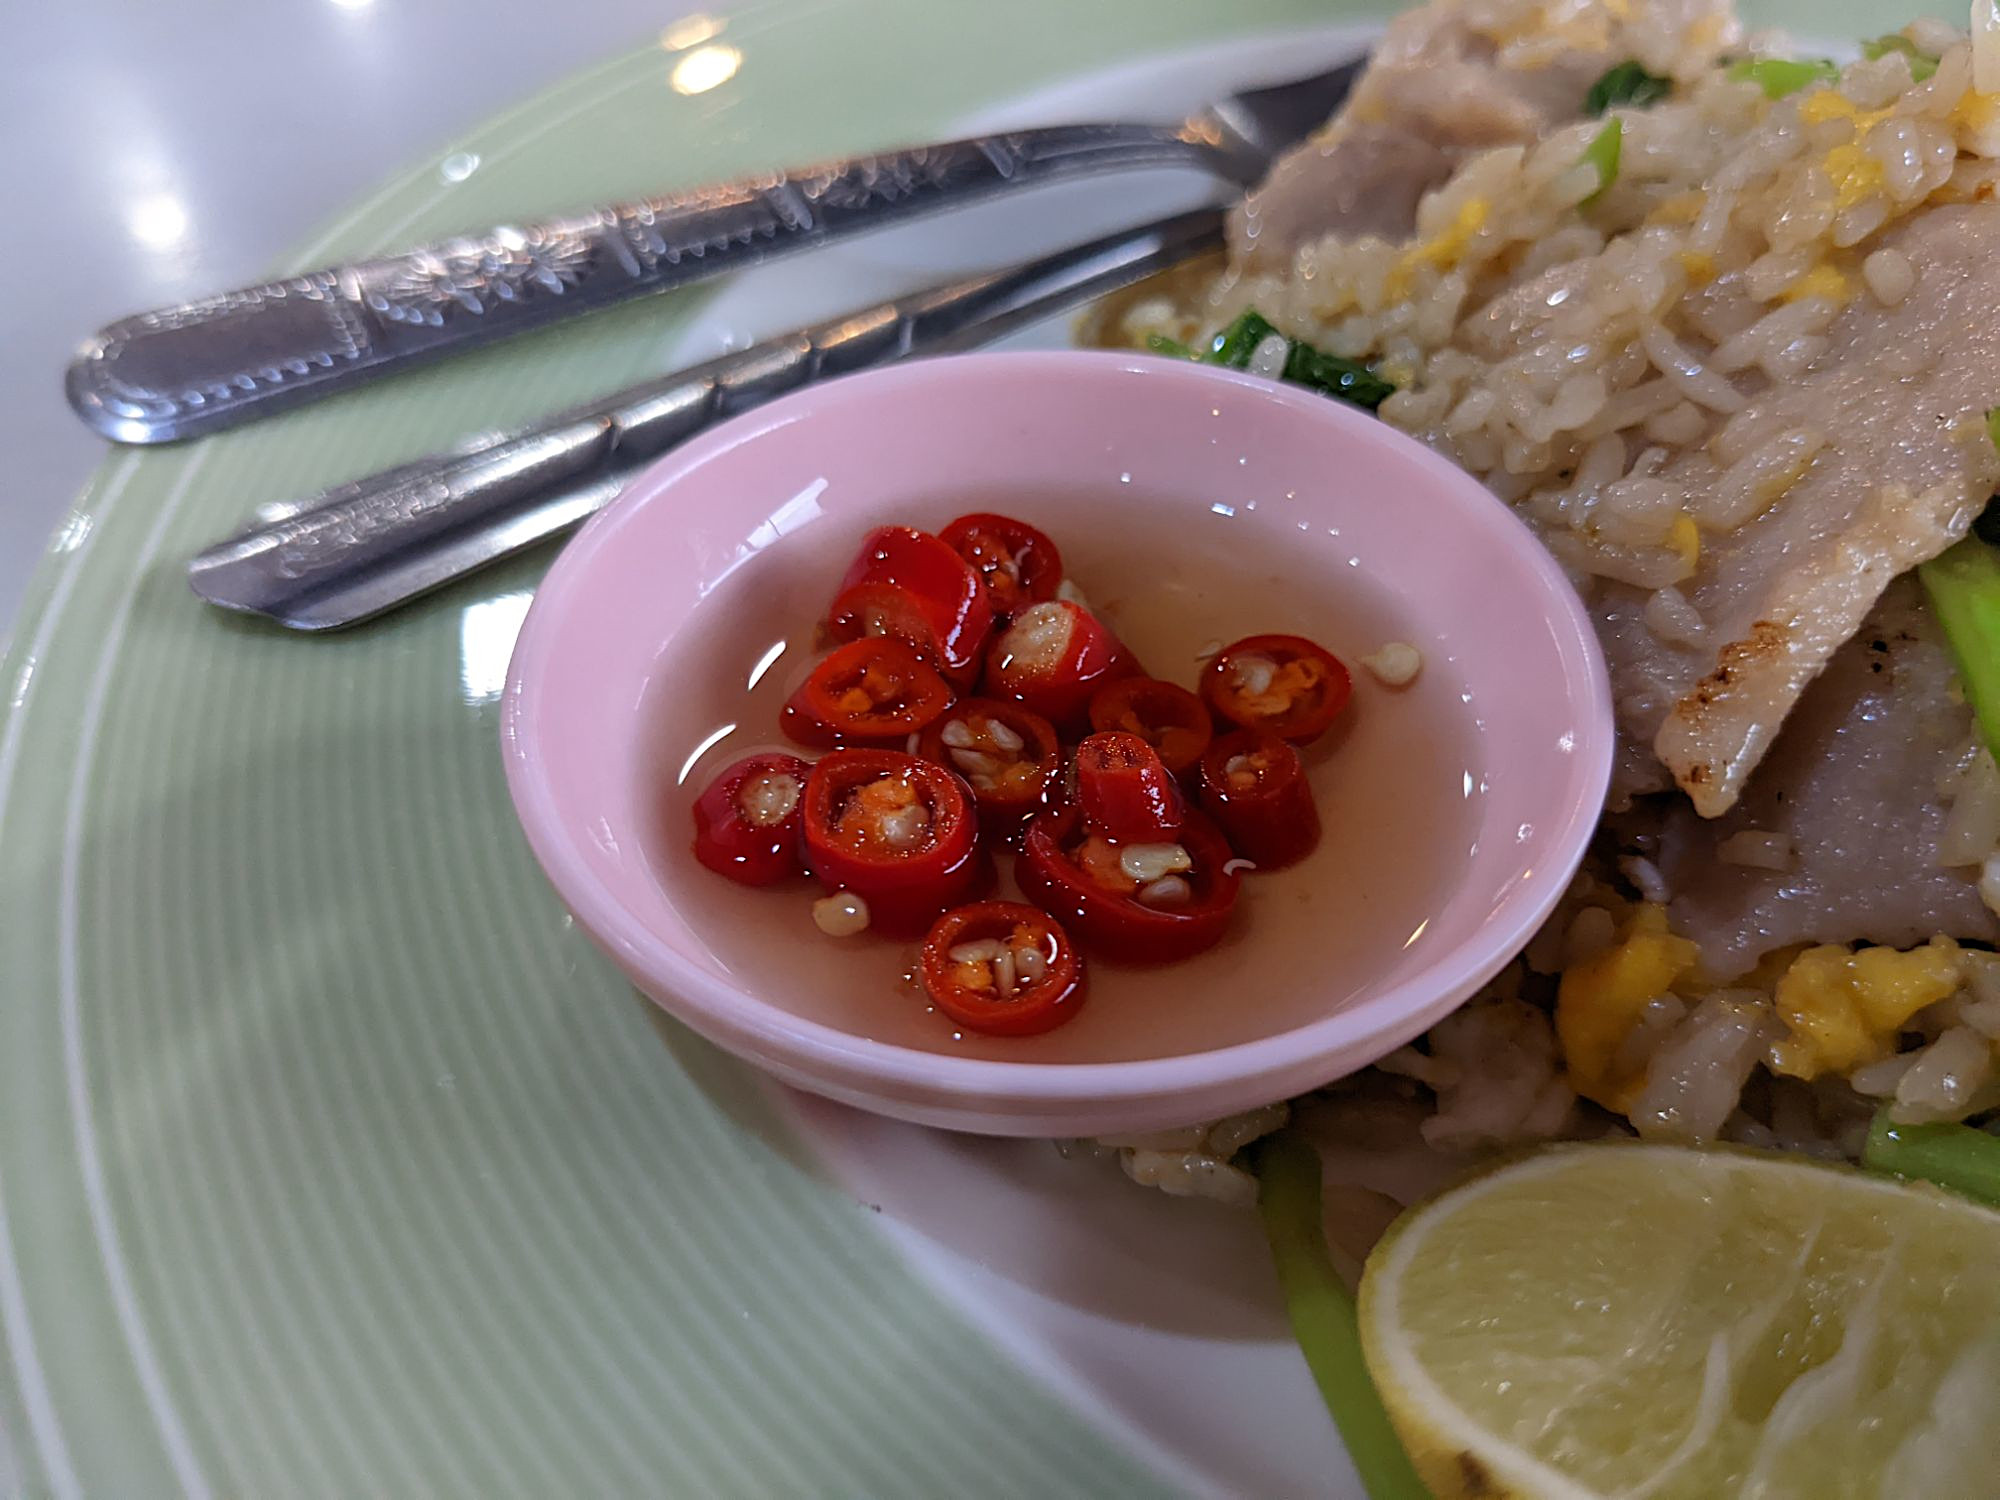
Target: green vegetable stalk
1779 76
1605 151
1922 64
1957 1157
1322 1315
1963 586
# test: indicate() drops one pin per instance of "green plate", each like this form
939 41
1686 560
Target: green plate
333 1161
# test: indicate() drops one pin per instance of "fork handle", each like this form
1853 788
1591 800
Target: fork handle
203 366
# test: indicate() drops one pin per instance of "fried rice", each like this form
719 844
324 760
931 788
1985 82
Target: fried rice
1739 385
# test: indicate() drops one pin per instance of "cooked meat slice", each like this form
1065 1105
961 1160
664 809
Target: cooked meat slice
1638 661
1811 496
1445 81
1737 473
1367 179
1893 412
1850 789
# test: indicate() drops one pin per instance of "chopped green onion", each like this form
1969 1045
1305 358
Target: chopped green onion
1779 76
1343 379
1233 346
1322 1314
1605 151
1922 64
1628 83
1957 1157
1159 343
1963 585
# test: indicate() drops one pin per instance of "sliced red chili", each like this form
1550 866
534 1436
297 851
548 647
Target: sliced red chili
1254 785
872 692
1085 882
1052 657
897 831
1281 683
1018 564
1125 790
1170 719
747 824
1011 757
909 584
1002 968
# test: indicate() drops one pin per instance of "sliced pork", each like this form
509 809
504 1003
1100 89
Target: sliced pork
1845 814
1447 79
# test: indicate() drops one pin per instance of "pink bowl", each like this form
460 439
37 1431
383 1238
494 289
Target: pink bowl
802 477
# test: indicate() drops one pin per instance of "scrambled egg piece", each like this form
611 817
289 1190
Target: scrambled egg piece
1398 372
1977 117
1708 30
1855 172
1699 266
1830 104
1442 252
1685 538
1844 1008
1681 208
1821 281
1601 999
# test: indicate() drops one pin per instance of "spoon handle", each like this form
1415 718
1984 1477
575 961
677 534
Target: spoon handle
358 549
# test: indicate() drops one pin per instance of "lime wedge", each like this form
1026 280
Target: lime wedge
1655 1323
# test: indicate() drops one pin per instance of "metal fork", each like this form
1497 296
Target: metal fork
203 366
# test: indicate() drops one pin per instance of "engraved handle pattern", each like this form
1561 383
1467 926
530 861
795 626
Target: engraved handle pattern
206 365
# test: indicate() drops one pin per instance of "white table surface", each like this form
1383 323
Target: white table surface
162 150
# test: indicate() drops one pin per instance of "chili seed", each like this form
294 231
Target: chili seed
1396 664
843 914
975 763
1030 963
1254 673
767 799
1145 863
